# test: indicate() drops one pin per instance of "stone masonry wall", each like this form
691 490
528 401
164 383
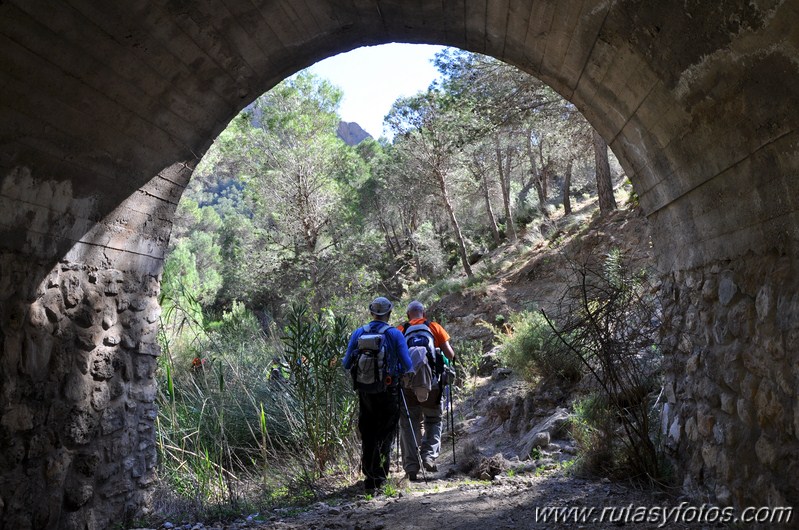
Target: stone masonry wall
79 317
732 412
78 392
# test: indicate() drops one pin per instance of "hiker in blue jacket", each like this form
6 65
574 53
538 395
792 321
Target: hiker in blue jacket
378 386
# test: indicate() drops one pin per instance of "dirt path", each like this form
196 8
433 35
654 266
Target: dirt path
507 503
517 498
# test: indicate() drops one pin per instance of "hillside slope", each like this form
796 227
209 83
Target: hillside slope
534 272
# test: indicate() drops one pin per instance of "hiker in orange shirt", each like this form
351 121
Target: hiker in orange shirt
424 441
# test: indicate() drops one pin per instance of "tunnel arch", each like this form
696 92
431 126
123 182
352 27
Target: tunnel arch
107 108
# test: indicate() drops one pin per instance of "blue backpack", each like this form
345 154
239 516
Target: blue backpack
419 336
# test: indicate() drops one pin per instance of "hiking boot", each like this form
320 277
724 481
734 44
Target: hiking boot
430 465
412 476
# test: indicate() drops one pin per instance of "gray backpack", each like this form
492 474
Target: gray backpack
370 372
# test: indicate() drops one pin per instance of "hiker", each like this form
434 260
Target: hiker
423 412
377 356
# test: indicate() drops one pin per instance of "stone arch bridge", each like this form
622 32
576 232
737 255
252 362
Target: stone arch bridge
105 108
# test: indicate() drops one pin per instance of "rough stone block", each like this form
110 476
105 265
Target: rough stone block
144 393
709 289
705 423
690 429
149 348
107 471
87 339
38 446
121 363
745 411
128 342
71 290
138 303
109 316
122 304
749 386
766 451
94 299
675 430
148 478
101 396
710 455
102 367
85 317
721 332
728 402
741 319
113 420
145 367
17 418
765 303
37 318
769 409
80 426
727 287
117 387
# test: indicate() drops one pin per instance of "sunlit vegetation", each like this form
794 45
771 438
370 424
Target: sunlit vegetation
286 232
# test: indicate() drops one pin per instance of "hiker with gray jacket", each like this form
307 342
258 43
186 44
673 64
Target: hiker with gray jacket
420 438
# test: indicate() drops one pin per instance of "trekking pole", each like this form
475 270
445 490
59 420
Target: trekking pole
451 406
451 421
398 448
413 435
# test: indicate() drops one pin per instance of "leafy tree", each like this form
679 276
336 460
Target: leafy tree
291 196
427 127
196 234
513 109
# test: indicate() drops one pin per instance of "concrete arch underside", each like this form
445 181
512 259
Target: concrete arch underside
107 107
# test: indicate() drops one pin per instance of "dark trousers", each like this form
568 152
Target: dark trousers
377 423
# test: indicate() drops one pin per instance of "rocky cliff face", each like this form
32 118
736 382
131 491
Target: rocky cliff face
351 133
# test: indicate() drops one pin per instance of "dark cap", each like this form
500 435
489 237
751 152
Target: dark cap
380 306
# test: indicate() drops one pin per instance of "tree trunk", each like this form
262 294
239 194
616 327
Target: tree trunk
479 175
397 240
544 174
525 192
415 249
604 183
535 174
387 236
456 227
567 184
492 219
504 179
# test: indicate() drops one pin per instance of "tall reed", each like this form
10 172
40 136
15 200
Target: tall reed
246 413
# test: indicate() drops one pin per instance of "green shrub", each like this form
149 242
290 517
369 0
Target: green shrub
469 356
592 428
313 349
610 319
530 347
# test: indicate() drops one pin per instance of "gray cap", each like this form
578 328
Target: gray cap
415 307
380 306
